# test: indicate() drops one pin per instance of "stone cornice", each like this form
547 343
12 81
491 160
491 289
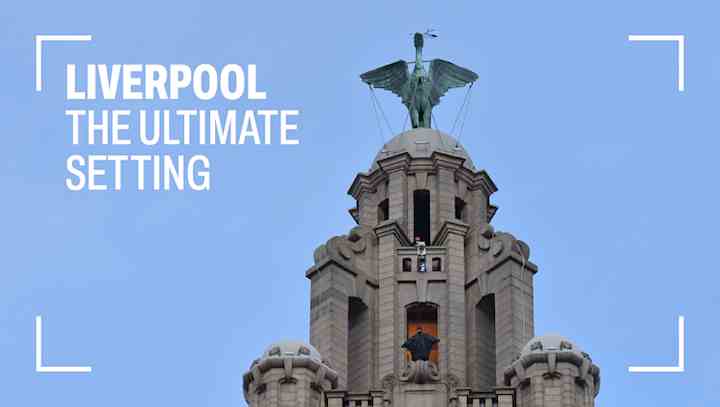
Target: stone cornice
368 182
443 160
355 215
365 182
391 227
335 394
312 270
327 262
551 358
492 210
422 164
448 227
515 257
397 162
261 366
477 180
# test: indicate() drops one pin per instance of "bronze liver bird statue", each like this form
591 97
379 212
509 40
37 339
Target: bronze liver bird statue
420 91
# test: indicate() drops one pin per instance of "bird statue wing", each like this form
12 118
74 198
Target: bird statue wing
446 75
393 77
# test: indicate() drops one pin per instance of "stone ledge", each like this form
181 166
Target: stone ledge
450 226
287 364
551 359
392 227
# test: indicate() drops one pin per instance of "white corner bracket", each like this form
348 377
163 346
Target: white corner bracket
680 368
39 39
680 39
38 356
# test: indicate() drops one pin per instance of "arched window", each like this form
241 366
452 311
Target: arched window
421 217
423 316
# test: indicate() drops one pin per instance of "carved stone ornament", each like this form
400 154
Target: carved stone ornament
452 382
388 382
420 372
496 247
345 246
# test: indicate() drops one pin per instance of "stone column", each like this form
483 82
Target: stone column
390 236
396 168
478 206
335 398
329 316
367 207
446 190
505 397
377 397
513 313
446 194
463 394
452 236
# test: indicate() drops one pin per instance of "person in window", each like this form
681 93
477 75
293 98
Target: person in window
421 252
420 345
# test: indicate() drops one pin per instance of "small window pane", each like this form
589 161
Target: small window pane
407 265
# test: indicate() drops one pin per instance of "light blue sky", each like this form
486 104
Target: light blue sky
604 168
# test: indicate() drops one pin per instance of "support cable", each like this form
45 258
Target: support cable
460 111
387 122
377 118
467 109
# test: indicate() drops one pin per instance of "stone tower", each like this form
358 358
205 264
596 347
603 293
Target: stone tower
425 255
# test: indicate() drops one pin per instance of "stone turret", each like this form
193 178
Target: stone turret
289 374
553 372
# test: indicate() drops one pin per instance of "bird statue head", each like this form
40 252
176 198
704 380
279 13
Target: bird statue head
419 43
419 70
419 40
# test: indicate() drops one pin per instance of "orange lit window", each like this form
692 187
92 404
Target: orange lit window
424 316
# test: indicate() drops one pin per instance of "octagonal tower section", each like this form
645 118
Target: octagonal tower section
423 254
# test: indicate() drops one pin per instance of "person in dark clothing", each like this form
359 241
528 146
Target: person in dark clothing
420 345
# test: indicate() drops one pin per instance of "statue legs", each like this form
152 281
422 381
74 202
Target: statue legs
420 117
414 117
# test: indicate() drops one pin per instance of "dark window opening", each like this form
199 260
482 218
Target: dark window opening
459 209
383 211
485 345
406 265
436 264
423 316
421 217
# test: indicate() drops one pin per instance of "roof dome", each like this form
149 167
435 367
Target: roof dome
421 143
550 342
293 349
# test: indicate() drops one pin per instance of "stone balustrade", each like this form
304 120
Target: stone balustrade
462 397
